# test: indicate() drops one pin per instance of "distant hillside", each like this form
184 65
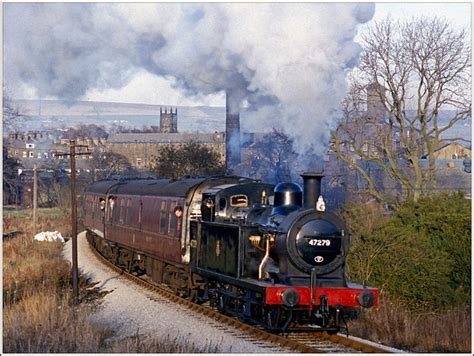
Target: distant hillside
46 114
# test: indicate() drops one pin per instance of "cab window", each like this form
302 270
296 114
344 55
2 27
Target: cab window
239 200
222 204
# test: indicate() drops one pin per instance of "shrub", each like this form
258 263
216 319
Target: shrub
392 324
419 256
445 220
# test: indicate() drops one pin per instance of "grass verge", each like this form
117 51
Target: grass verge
446 331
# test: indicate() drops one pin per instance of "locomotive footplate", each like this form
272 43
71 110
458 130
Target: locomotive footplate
353 295
347 297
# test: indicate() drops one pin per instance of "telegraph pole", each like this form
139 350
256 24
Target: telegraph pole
35 197
75 270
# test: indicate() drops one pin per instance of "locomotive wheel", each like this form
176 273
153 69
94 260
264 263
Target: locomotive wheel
272 318
223 305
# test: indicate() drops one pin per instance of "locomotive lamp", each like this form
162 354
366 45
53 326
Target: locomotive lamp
320 205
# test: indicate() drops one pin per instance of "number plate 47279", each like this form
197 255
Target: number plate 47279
319 242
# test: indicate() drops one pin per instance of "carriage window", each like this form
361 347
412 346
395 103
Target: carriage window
90 200
122 211
239 200
172 226
112 209
163 216
140 212
129 211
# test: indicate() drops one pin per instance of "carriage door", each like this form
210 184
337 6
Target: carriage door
172 250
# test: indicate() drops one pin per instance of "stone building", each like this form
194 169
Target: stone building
169 121
31 146
452 150
141 148
34 148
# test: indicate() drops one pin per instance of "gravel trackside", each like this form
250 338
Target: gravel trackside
130 310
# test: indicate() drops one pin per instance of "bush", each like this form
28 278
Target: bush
191 159
392 324
445 221
419 256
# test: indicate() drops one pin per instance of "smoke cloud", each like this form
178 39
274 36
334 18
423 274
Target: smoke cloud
287 62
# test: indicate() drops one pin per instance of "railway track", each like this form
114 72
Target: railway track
317 342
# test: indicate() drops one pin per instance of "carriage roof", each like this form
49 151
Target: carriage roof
156 187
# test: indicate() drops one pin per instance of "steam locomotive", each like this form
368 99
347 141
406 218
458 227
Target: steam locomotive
269 255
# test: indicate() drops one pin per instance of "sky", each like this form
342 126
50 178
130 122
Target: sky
456 13
165 90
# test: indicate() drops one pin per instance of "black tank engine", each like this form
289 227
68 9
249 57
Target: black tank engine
270 255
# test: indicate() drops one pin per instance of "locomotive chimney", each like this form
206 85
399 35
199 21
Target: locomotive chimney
312 188
232 131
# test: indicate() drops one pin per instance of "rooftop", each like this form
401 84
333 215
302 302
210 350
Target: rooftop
217 137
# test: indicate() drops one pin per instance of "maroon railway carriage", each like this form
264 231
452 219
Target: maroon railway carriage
263 253
134 224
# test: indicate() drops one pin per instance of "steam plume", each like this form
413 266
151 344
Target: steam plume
287 62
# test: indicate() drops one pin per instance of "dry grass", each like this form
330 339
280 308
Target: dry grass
153 344
448 331
47 220
41 322
37 313
30 265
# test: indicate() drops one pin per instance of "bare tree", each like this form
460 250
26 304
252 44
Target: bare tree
55 184
414 70
11 114
270 158
105 164
84 131
10 176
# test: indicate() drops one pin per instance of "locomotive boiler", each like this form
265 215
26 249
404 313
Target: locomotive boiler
269 255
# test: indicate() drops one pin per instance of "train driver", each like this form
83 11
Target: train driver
207 210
